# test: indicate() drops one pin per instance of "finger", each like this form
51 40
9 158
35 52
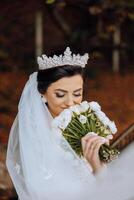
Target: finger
89 142
90 145
90 139
86 139
109 137
90 134
107 142
95 146
83 144
98 145
86 142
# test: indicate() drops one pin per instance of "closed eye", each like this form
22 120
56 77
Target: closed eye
77 95
60 95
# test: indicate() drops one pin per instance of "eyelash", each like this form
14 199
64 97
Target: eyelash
77 95
60 96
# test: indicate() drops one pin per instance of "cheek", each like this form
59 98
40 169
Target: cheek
55 102
79 100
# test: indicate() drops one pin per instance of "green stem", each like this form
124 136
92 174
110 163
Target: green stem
71 131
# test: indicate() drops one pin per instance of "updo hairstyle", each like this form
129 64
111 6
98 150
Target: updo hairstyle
48 76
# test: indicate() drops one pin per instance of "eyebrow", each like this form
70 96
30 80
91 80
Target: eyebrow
67 91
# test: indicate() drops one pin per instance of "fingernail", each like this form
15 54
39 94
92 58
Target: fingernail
104 140
109 137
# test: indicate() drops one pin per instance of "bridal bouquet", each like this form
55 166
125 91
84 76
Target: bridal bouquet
78 120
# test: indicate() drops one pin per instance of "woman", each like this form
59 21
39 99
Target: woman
40 161
61 88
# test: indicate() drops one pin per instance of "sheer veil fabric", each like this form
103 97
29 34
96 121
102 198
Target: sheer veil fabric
42 164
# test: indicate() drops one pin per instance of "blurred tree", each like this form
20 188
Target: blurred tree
95 26
100 24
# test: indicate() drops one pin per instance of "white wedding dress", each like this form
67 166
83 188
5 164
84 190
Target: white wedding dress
43 166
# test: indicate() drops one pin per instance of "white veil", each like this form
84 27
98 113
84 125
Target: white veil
38 158
42 164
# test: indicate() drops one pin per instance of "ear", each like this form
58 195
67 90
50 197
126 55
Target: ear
44 98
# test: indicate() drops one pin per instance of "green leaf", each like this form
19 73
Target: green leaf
69 130
92 124
76 129
66 135
76 121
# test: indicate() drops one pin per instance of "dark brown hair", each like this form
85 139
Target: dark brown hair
48 76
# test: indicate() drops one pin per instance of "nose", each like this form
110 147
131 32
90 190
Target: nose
69 101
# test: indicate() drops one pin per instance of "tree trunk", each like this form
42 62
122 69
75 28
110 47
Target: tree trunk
116 52
38 34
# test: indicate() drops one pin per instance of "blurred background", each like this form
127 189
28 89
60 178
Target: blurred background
102 28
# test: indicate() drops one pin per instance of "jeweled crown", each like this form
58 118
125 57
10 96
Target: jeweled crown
67 59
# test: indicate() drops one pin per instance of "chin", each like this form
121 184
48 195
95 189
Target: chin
60 110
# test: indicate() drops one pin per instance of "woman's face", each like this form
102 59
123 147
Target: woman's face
64 93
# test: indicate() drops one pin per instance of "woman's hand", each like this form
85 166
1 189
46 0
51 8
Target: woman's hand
91 144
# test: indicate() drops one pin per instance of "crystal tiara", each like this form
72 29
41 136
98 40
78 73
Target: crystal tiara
45 62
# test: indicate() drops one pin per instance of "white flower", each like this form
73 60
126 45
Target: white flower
112 127
82 119
76 109
103 118
101 115
63 119
94 106
84 106
107 131
106 121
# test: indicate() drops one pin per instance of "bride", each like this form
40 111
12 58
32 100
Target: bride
41 163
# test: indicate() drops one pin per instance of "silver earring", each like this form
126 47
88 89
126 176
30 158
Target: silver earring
43 99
